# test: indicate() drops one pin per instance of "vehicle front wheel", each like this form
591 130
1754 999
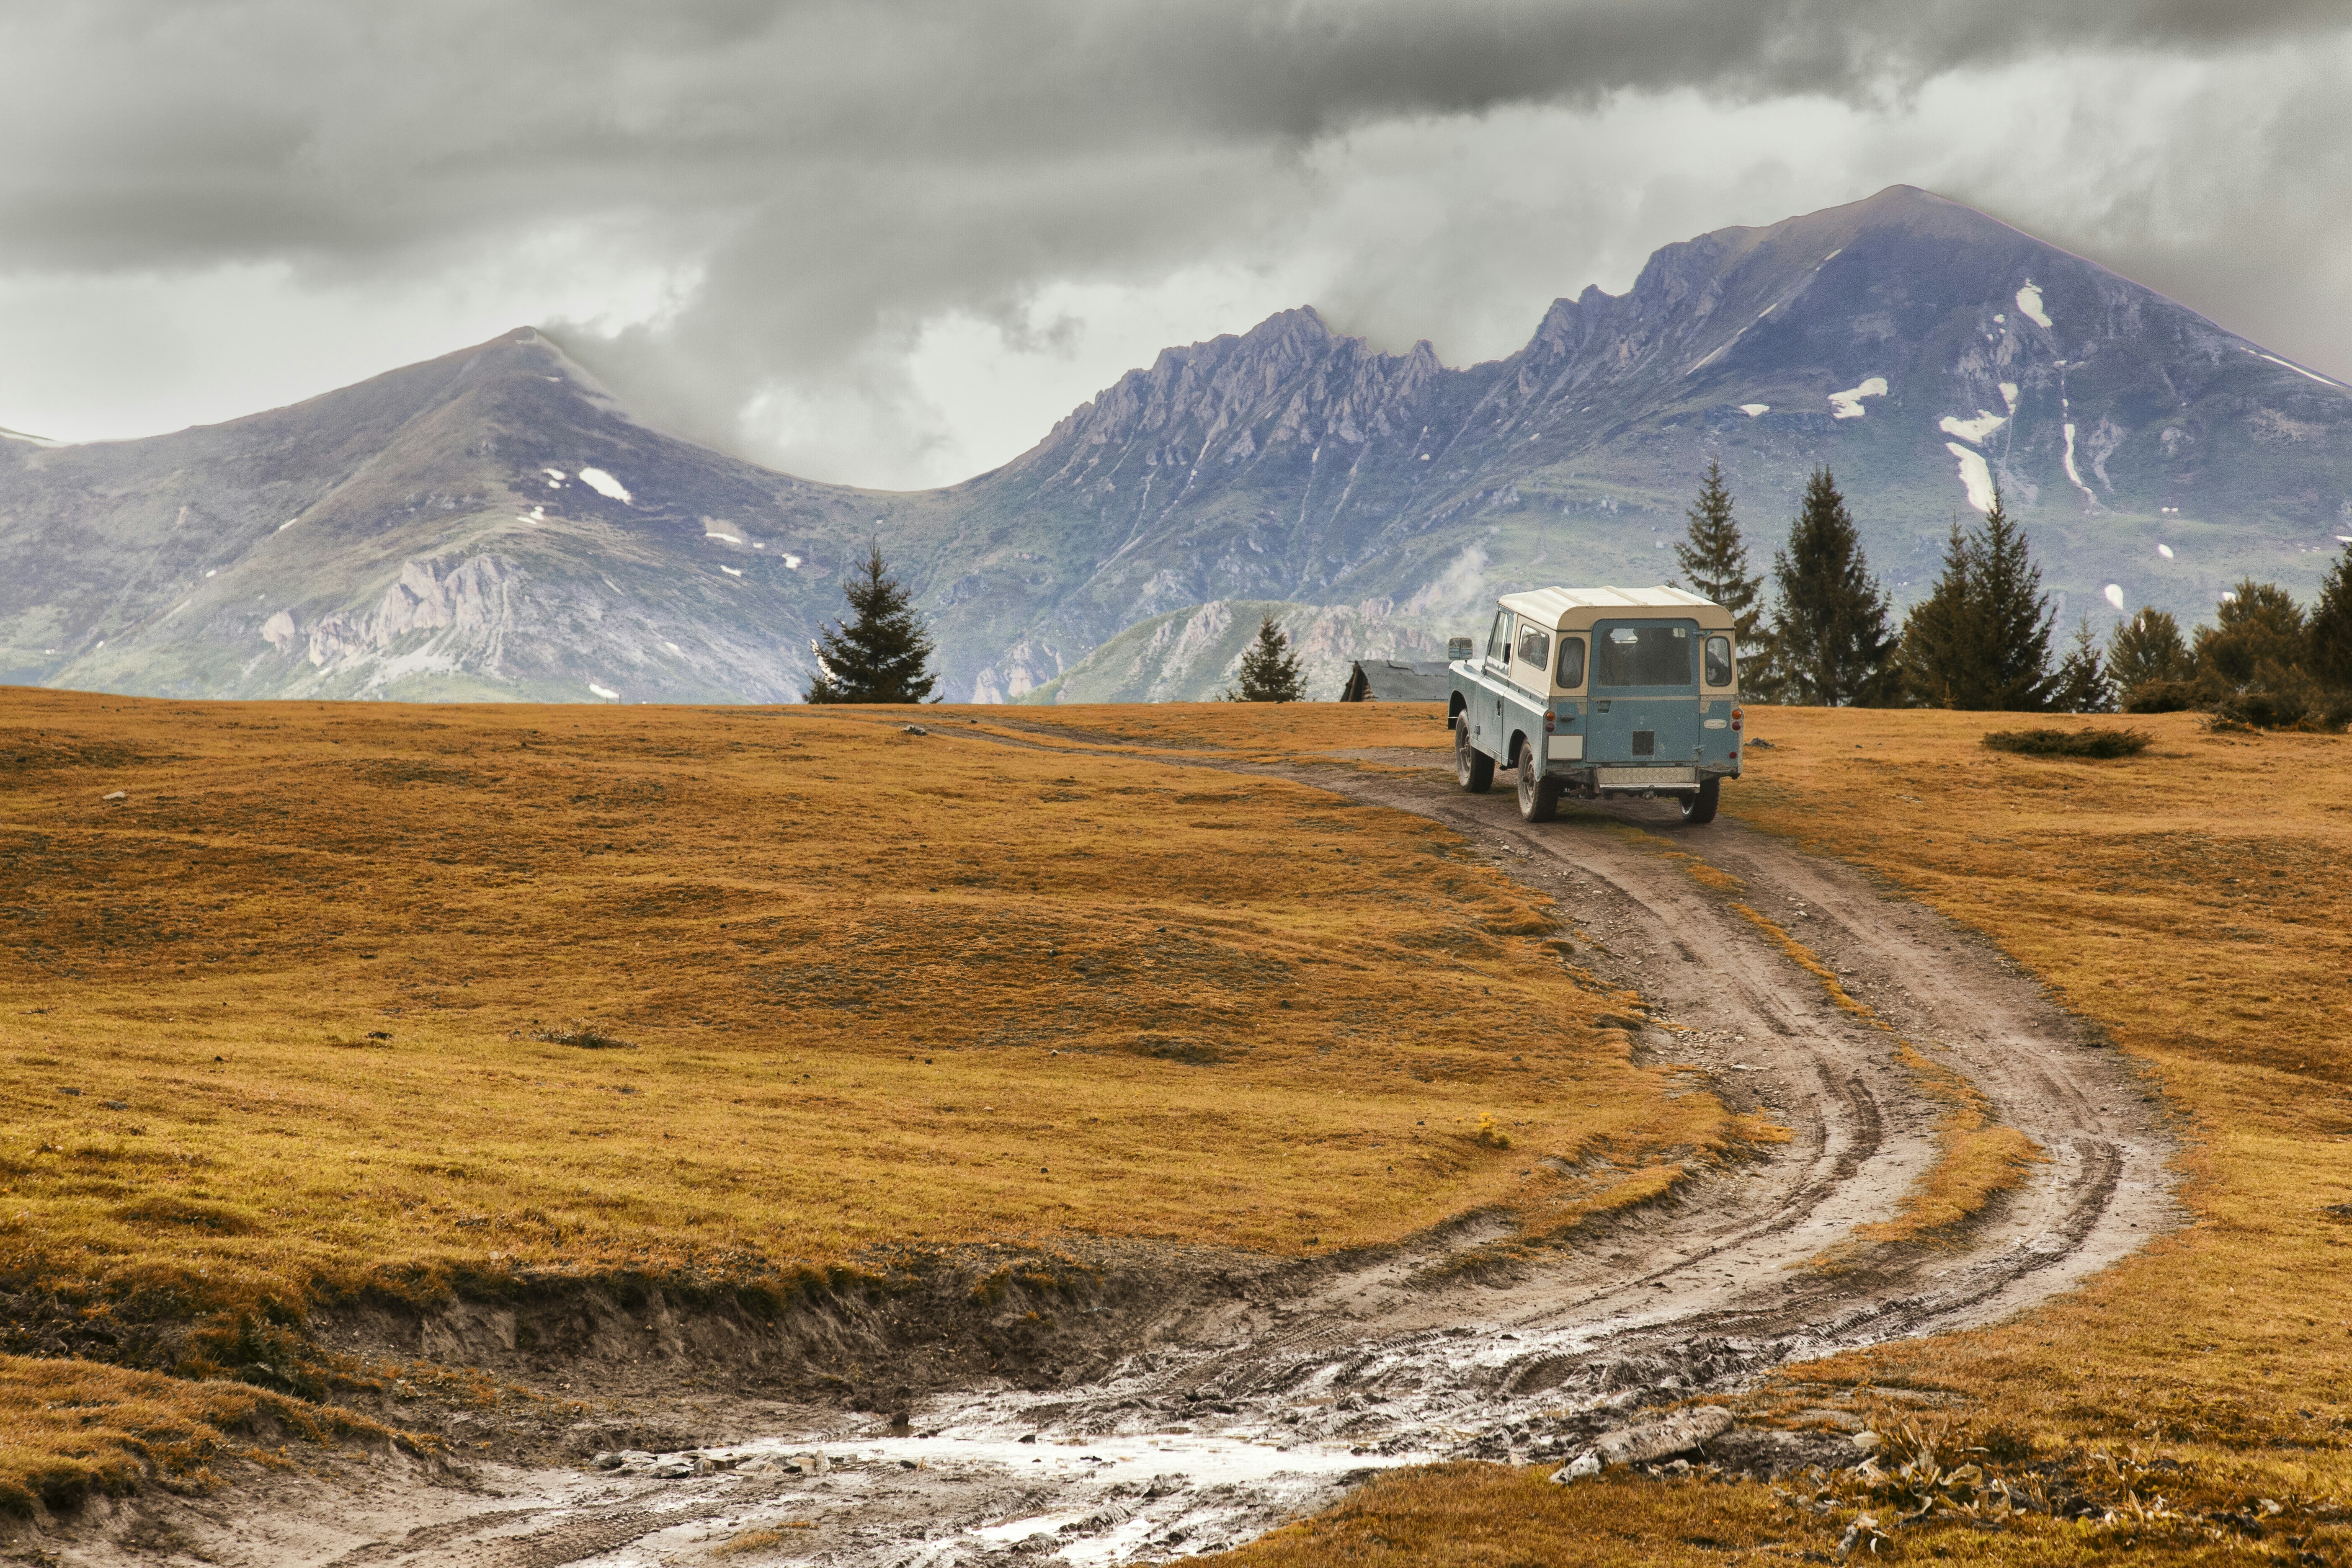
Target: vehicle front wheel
1698 810
1539 798
1474 769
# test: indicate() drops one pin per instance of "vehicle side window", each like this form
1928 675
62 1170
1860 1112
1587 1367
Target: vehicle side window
1718 661
1498 641
1571 662
1535 648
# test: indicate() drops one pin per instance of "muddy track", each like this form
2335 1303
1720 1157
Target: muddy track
1254 1407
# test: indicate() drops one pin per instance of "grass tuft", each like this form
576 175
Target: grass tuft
586 1035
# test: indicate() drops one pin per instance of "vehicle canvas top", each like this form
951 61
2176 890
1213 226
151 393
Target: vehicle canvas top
1577 609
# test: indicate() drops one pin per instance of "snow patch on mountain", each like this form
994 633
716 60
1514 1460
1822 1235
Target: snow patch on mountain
1847 404
1753 409
2074 473
2114 593
2256 352
2029 300
1973 431
1974 474
605 485
2009 395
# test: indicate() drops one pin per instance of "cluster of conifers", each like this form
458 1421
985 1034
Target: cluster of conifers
1983 639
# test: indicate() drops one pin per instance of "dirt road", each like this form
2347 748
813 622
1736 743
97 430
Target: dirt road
1264 1404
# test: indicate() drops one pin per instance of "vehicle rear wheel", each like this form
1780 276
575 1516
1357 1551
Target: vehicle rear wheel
1698 810
1539 798
1474 769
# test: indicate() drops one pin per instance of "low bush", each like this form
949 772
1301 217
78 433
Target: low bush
2104 745
2264 709
584 1034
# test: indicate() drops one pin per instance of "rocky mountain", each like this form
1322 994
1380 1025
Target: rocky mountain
487 525
1923 351
494 524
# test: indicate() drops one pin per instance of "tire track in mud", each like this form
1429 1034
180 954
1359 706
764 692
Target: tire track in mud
1256 1409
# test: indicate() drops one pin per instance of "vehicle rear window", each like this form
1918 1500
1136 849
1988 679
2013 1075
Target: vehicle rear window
1535 647
1718 661
1644 656
1571 662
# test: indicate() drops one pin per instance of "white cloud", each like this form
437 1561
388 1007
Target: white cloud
898 265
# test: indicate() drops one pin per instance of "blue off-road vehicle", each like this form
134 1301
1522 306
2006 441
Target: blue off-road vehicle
1600 691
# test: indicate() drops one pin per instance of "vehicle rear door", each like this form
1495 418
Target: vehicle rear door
1645 693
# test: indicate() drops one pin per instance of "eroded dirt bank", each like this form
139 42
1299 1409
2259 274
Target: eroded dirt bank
1146 1413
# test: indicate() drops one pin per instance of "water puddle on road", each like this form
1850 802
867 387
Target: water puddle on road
944 1498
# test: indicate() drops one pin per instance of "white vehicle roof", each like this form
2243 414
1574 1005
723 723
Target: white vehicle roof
1576 609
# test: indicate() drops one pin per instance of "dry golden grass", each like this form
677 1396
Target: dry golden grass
1249 731
277 1023
69 1427
2196 902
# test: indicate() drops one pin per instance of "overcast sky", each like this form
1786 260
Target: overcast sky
889 242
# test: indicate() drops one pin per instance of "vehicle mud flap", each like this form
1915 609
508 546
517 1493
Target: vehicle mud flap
1539 797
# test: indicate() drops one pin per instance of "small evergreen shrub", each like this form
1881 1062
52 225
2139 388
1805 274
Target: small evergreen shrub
2101 744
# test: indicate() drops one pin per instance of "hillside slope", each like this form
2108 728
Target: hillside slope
488 524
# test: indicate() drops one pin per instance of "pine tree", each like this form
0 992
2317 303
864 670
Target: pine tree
2147 649
879 655
2259 634
1715 559
2016 617
1942 633
2254 664
2331 625
1830 627
1270 671
1981 640
2081 685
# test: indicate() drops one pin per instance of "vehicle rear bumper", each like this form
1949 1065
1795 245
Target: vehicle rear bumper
1640 778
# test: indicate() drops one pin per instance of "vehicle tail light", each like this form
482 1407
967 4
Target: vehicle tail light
1549 720
1737 715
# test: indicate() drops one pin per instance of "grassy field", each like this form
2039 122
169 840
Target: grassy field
302 1001
2195 900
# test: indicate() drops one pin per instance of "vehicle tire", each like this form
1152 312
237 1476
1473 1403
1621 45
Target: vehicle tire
1474 769
1698 810
1539 798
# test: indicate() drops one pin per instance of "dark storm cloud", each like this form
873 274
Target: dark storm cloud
154 132
841 172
